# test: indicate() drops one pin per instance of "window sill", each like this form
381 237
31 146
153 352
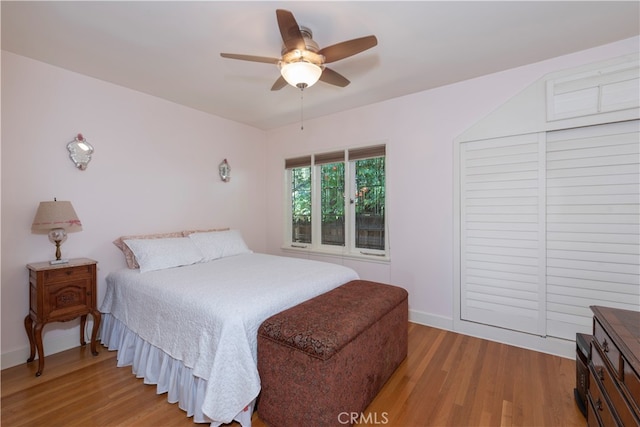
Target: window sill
380 259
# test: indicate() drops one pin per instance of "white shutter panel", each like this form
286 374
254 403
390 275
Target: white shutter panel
593 224
502 235
592 92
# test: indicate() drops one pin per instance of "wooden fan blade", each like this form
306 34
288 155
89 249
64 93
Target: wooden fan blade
333 78
279 84
290 30
251 58
345 49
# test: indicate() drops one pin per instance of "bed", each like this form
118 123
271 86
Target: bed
192 329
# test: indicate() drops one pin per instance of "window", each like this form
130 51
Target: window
300 206
336 202
370 203
332 204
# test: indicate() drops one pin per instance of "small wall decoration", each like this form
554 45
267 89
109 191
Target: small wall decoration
80 152
225 171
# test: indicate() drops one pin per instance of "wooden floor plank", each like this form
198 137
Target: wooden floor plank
448 379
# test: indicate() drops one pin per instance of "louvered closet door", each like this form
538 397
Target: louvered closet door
593 222
502 232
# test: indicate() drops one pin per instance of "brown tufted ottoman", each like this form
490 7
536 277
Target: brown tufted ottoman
327 358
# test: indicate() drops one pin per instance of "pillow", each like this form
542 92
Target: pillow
219 244
158 254
186 233
128 255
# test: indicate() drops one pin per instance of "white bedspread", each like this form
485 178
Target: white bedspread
207 315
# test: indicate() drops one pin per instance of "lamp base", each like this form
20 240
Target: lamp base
59 261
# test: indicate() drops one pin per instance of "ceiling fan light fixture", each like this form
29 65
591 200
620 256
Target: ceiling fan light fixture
300 74
302 62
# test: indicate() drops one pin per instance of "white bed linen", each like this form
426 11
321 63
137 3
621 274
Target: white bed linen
206 316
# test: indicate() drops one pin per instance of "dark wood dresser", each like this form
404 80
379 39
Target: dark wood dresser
614 368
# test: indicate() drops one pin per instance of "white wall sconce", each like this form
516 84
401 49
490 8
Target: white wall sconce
80 152
225 171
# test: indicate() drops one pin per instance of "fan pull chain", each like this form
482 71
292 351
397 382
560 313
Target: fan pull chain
301 108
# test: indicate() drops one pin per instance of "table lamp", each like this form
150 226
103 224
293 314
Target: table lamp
56 218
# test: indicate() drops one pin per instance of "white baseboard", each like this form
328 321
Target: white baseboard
18 357
550 345
53 342
13 358
422 318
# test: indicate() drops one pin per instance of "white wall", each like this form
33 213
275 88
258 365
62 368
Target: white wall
154 169
419 130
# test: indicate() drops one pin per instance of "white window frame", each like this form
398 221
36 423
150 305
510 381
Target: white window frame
349 249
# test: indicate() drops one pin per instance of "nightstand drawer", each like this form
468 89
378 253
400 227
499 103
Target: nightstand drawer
68 300
66 274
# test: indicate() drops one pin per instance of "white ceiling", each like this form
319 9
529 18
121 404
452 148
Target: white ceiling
171 49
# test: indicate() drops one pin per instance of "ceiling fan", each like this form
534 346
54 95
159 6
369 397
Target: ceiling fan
302 62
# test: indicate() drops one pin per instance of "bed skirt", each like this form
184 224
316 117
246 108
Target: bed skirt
156 367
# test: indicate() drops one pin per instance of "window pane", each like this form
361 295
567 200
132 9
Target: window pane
370 200
332 203
301 205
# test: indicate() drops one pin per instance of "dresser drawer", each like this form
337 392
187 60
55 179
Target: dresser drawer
631 382
592 417
65 274
604 378
610 351
599 404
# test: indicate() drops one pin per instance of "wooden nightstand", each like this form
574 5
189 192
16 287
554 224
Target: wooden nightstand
59 293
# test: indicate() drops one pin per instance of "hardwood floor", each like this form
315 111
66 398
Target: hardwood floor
448 379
